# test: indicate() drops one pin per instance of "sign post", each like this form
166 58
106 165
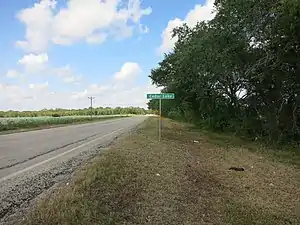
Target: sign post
160 97
159 128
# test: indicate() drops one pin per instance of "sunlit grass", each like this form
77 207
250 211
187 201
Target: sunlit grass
16 123
181 180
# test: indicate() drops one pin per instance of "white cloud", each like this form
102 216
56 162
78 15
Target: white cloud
38 63
89 20
39 87
98 89
198 13
116 93
128 71
38 21
63 71
92 90
144 29
111 93
34 63
201 13
67 75
72 79
135 96
8 88
12 74
39 96
14 97
167 41
96 38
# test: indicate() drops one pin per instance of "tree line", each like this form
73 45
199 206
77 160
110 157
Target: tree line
239 72
76 112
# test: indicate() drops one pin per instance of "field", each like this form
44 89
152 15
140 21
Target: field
24 123
184 179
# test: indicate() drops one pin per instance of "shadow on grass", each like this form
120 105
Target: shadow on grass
285 153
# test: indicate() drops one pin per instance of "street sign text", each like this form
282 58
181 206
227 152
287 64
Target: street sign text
161 96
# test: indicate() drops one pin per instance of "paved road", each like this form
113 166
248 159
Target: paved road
32 162
21 152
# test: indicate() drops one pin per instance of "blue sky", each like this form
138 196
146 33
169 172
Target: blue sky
57 53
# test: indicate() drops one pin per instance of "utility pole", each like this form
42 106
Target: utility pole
91 98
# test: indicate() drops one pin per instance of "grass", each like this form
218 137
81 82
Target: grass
184 179
9 125
286 153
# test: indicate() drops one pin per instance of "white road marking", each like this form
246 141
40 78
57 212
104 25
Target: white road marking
55 157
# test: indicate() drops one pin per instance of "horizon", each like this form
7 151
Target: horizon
70 109
57 53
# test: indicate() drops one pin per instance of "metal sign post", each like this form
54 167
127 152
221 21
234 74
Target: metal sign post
160 97
159 129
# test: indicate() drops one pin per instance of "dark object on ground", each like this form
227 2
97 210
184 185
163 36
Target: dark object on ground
237 168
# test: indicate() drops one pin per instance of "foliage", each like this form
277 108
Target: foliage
75 112
15 123
239 72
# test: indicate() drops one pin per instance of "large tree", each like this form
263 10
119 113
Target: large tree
239 71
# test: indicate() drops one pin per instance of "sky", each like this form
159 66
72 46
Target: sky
57 53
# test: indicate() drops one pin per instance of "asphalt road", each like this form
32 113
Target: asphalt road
24 156
20 151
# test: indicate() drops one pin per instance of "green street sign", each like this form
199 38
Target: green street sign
161 96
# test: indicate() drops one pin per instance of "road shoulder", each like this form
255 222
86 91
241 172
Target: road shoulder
21 194
184 179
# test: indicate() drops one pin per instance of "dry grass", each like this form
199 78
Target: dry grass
177 181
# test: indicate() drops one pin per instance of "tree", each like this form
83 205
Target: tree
238 72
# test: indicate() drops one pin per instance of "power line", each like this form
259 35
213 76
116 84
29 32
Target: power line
91 98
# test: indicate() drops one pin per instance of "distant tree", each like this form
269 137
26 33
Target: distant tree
74 112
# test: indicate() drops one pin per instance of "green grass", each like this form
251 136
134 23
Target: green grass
287 153
8 125
175 181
